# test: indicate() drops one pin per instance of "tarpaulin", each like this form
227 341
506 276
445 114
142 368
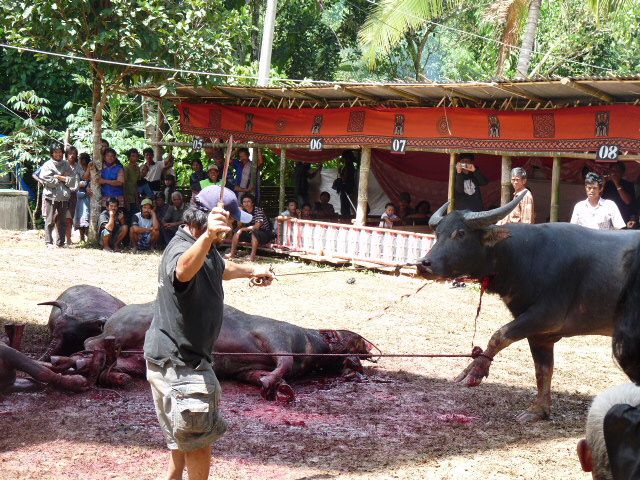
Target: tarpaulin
574 129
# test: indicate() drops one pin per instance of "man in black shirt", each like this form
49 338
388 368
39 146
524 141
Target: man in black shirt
186 321
469 179
621 191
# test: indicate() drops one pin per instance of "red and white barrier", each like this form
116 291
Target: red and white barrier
370 244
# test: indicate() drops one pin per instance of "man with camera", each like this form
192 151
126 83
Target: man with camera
469 179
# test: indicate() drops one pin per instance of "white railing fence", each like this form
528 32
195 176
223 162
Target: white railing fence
376 245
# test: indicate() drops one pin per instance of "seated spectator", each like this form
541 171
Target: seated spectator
173 218
632 224
595 212
404 206
524 211
169 188
323 208
145 227
213 177
389 218
423 208
161 207
592 450
112 177
620 191
113 227
292 210
198 173
306 213
258 231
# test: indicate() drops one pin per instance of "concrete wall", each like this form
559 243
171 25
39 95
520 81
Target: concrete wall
14 209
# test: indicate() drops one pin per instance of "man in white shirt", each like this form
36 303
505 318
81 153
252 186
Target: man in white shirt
154 171
596 212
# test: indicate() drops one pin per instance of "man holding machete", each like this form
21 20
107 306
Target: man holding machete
186 321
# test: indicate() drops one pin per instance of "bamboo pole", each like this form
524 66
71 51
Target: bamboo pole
505 183
451 195
555 189
363 186
283 180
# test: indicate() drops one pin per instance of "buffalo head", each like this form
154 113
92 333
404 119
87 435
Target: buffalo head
464 240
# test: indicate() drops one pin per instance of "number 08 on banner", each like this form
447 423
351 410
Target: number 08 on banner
607 153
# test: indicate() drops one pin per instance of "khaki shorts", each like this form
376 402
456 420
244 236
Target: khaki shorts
186 402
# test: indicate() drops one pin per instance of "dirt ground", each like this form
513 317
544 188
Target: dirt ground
406 420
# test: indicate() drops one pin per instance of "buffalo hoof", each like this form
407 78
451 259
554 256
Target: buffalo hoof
534 413
474 373
73 383
285 393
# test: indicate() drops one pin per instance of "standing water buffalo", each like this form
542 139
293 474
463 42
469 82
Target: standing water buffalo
79 312
557 279
250 334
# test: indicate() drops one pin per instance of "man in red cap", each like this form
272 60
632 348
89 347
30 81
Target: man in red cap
186 322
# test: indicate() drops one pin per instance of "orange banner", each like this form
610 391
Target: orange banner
577 129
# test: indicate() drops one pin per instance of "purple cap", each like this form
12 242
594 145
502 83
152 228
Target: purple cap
209 197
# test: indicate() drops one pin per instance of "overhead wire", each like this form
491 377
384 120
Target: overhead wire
145 66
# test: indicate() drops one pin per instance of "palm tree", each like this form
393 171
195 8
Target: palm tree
392 21
599 8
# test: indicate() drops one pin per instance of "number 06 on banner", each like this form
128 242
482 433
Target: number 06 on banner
316 144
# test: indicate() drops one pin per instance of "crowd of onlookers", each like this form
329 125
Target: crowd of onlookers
611 201
141 206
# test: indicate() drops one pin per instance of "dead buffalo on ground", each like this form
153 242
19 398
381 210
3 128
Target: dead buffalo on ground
250 334
77 314
557 279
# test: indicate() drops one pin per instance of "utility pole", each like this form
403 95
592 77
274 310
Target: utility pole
263 73
267 43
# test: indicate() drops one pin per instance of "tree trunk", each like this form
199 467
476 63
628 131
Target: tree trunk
158 134
96 194
528 39
149 116
255 34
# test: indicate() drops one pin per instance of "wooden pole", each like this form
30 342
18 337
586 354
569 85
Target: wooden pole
505 183
363 186
157 148
283 179
451 196
555 189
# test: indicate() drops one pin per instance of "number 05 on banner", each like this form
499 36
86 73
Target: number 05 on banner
607 153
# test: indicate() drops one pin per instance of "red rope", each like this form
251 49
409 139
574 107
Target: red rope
476 352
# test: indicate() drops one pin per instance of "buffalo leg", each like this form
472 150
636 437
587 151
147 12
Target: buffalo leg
40 373
270 384
526 325
540 409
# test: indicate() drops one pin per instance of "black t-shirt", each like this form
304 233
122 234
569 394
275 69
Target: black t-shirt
610 192
187 316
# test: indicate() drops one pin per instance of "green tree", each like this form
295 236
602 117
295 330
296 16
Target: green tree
153 31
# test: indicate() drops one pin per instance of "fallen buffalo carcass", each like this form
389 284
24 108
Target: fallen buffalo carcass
77 314
245 334
12 361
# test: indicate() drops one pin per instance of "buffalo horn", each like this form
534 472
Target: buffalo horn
478 220
438 215
57 303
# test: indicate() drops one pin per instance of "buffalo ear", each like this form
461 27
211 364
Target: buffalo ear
494 235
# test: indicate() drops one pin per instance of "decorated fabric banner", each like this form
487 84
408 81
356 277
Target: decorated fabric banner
576 129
